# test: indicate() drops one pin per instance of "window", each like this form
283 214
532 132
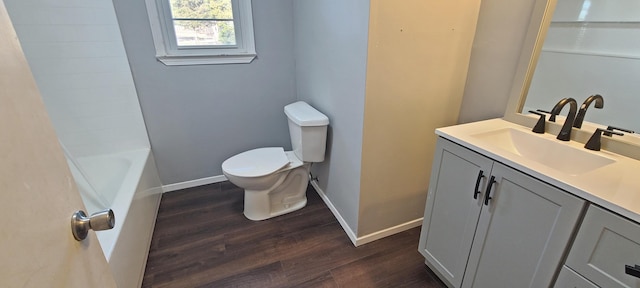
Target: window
194 32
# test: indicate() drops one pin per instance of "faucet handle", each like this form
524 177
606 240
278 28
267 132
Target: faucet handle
594 141
540 125
612 128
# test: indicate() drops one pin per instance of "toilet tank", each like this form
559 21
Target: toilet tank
308 131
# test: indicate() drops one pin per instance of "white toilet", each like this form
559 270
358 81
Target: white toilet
275 181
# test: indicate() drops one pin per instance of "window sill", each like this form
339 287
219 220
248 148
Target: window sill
184 60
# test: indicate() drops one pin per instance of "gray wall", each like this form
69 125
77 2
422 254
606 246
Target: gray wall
198 116
500 33
331 58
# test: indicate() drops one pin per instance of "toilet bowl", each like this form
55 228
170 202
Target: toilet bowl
275 181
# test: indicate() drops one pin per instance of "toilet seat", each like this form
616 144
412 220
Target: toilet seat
257 162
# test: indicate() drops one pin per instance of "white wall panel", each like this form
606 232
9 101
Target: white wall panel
77 57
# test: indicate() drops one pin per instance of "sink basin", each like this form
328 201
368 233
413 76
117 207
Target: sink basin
549 152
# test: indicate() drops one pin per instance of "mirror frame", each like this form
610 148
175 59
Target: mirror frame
534 39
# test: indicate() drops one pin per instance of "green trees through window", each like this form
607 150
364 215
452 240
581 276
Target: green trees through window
203 22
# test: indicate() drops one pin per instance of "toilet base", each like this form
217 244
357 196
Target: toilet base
287 195
294 207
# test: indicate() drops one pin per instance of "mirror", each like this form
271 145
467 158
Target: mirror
591 47
593 24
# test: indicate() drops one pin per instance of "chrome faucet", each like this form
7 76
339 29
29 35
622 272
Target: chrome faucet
565 131
583 109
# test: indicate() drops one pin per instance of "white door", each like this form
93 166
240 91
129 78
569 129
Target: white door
37 193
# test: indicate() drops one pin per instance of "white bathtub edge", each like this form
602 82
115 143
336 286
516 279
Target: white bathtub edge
125 195
129 256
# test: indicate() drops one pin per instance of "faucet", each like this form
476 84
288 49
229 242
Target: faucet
583 109
565 131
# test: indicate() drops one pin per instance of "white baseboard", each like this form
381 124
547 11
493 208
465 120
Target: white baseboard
388 232
352 236
193 183
357 241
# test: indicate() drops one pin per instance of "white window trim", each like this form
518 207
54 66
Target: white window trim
162 31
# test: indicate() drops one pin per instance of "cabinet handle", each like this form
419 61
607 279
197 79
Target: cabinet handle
477 190
487 196
631 270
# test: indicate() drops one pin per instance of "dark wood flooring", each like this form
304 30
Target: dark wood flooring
202 239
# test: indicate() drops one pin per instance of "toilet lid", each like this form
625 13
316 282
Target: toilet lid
256 162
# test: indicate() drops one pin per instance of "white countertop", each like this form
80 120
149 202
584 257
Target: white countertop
615 186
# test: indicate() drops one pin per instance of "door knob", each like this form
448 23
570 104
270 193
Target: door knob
81 224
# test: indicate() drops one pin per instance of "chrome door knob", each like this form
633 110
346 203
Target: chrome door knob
81 224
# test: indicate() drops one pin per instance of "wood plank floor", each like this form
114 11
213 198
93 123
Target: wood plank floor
201 239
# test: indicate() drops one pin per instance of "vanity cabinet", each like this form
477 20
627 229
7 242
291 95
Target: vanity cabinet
605 244
570 279
488 225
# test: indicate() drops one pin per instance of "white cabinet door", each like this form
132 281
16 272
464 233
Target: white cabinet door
522 232
37 193
604 245
452 211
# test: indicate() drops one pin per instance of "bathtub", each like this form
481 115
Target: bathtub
128 183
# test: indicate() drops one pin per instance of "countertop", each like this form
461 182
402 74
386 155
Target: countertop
615 187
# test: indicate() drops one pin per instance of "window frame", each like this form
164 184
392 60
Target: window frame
169 53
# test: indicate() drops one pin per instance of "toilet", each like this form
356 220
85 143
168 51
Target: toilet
275 181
